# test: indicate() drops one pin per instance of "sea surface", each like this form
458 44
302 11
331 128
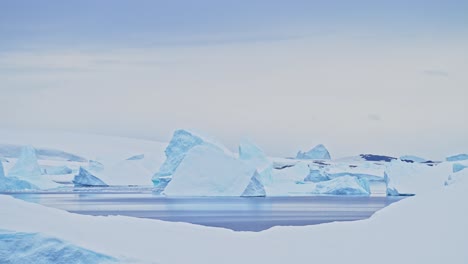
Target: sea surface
236 213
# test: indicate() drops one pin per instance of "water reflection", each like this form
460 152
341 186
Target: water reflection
236 213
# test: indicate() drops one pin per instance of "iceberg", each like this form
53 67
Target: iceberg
18 247
456 167
368 177
13 183
26 167
316 176
255 157
458 157
86 179
208 171
346 185
181 143
255 187
318 152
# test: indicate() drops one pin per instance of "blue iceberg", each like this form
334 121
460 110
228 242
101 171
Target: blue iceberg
458 167
13 183
346 185
26 167
255 187
458 157
181 143
86 179
318 152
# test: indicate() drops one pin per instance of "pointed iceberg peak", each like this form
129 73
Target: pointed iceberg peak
318 152
255 187
26 166
86 179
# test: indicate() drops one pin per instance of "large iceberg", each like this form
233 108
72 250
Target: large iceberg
208 171
345 185
318 152
255 187
26 167
255 157
18 248
181 143
458 157
86 179
13 183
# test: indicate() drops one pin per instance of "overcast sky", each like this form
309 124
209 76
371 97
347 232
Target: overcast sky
358 76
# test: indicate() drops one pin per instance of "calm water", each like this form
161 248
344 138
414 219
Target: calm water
236 213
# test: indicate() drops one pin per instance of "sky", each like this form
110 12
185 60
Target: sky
357 76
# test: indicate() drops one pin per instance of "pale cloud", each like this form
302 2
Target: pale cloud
286 95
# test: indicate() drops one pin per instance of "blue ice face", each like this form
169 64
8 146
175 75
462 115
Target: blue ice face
458 157
27 165
85 178
458 167
255 187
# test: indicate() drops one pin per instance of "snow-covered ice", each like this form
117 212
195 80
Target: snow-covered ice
21 248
